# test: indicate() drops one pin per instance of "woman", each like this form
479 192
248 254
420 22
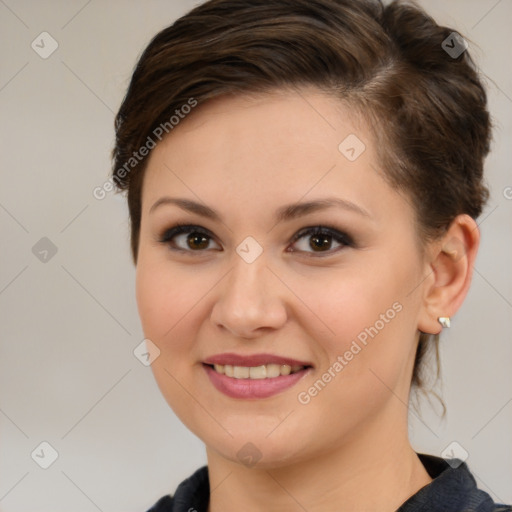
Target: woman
303 179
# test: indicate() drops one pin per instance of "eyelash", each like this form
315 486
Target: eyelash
344 239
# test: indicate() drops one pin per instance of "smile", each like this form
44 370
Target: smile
265 371
254 376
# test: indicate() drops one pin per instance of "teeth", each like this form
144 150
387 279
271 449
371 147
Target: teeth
265 371
240 372
258 372
273 370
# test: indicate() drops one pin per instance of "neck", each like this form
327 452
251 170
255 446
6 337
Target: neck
378 471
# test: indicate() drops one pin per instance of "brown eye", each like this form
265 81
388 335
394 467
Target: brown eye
186 238
197 241
320 239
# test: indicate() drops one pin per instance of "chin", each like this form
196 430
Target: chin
258 450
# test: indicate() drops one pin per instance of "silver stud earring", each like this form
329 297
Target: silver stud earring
444 321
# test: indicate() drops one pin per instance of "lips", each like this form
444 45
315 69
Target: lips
253 360
256 376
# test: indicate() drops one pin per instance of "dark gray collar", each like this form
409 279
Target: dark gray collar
452 489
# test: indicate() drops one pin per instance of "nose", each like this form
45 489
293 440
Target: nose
249 301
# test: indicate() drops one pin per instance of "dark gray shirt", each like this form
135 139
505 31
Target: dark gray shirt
453 489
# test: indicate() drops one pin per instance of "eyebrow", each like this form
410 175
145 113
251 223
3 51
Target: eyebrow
285 213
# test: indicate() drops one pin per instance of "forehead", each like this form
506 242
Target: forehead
289 115
283 129
268 148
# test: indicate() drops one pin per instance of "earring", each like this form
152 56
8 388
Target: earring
444 321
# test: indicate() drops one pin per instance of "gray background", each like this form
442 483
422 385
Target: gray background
69 325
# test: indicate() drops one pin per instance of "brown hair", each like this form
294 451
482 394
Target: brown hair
427 107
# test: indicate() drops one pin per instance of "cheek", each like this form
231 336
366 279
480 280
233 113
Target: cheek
366 316
347 304
366 354
164 297
151 300
166 303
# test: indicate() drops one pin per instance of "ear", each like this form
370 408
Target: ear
451 262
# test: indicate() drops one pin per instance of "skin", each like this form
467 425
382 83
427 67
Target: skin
348 448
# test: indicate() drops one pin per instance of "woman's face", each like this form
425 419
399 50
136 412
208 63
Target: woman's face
344 303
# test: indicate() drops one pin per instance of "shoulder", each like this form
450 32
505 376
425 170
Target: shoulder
164 504
453 484
193 494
